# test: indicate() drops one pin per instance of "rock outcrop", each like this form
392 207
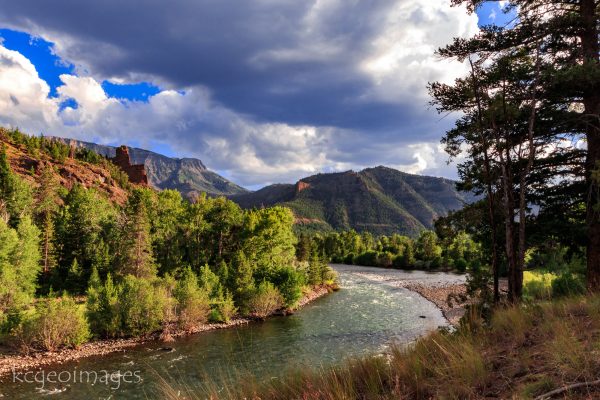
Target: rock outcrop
135 172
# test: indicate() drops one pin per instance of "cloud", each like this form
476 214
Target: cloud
263 91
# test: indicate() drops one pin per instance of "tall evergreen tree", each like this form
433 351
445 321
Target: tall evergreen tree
567 35
47 202
136 256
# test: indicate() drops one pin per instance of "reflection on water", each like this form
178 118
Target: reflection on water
363 317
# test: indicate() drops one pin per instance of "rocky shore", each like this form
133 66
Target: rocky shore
445 297
11 361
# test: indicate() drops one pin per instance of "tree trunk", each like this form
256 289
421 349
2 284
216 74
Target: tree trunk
489 189
591 102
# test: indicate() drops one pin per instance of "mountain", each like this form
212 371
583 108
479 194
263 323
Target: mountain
380 200
187 175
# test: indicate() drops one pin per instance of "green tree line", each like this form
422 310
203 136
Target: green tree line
155 263
426 252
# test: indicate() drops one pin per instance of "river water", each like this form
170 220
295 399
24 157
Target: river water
364 317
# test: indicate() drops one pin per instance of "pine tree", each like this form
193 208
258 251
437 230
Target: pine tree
46 207
565 36
136 257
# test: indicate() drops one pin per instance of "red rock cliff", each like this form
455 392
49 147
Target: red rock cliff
300 186
136 173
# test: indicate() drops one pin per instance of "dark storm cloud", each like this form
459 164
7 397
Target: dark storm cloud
262 90
235 48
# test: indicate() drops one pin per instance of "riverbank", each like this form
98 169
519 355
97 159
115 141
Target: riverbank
543 352
12 361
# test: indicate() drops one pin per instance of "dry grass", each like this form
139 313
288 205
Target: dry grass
525 352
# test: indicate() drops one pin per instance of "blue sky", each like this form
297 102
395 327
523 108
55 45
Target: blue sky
260 94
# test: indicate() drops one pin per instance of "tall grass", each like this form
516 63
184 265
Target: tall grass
524 352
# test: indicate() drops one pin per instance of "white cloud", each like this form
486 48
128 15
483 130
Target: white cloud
387 58
401 60
248 152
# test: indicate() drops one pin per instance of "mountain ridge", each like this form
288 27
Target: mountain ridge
381 200
188 175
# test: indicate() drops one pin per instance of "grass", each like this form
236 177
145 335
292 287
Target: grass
538 285
523 353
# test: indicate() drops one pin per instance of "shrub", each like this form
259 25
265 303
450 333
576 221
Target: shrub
141 306
330 277
225 308
289 282
349 259
461 265
384 259
537 285
193 304
265 301
102 307
368 258
568 284
54 324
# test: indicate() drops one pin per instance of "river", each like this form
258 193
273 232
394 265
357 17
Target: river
364 317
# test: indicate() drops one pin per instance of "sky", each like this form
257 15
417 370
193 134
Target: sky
262 92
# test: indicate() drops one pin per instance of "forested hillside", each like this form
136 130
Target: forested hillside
84 253
189 176
378 200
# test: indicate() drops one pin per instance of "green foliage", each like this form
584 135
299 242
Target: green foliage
538 285
289 281
16 195
125 257
265 300
568 284
193 305
19 264
140 306
209 281
103 306
428 248
55 323
84 227
243 281
269 238
135 245
368 258
226 308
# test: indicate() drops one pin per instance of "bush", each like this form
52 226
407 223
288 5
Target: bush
537 285
461 265
349 259
289 282
226 308
102 307
141 306
384 259
368 259
330 276
193 304
568 284
265 300
54 324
